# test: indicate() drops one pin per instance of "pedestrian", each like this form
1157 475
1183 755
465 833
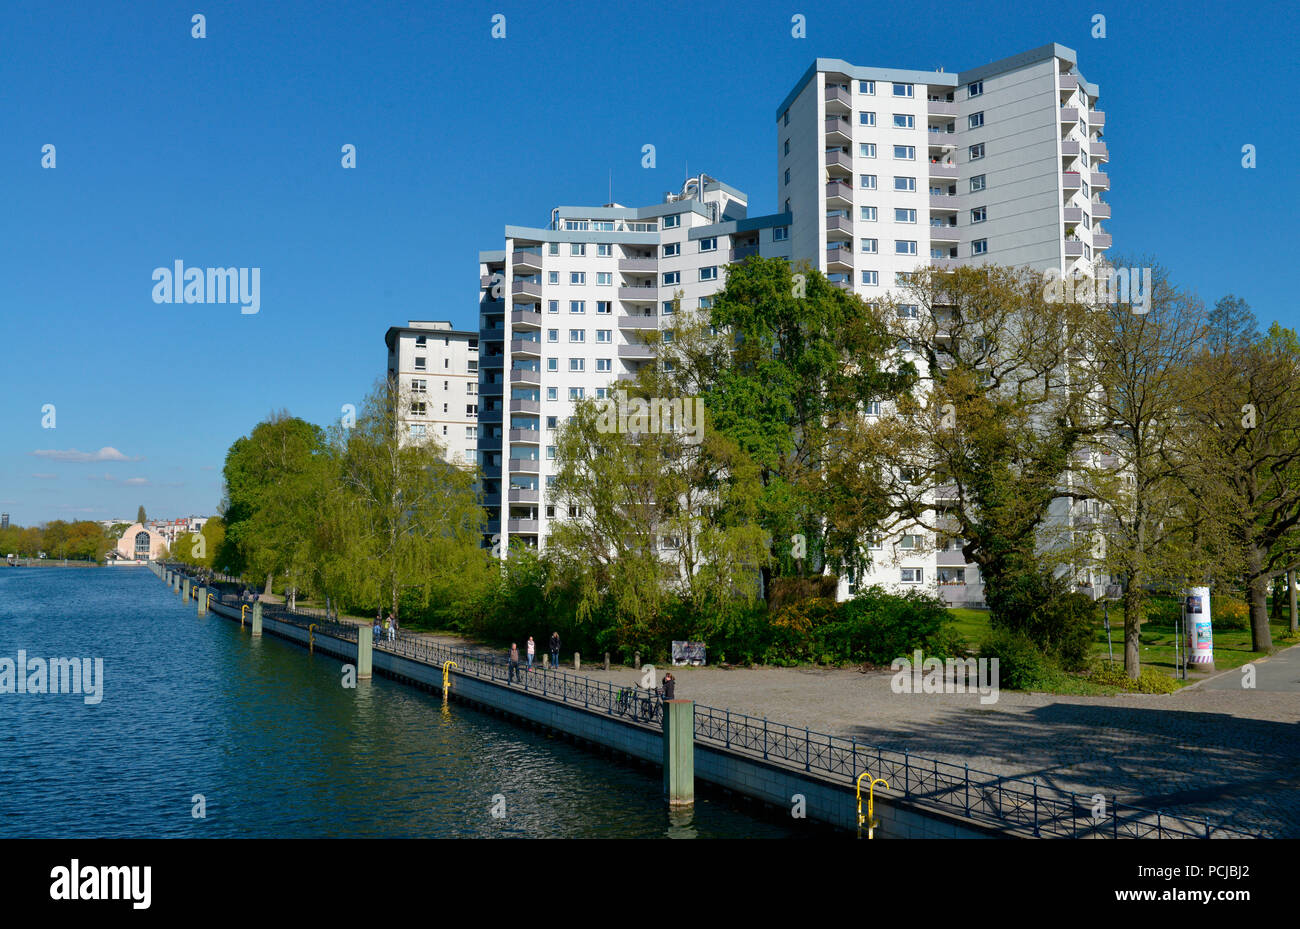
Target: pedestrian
514 662
531 649
670 687
394 635
376 631
555 649
388 621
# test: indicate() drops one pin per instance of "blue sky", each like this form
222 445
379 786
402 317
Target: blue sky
225 151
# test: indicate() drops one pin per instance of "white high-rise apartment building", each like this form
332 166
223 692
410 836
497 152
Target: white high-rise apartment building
886 170
436 370
569 310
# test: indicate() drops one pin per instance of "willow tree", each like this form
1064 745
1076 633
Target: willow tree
399 520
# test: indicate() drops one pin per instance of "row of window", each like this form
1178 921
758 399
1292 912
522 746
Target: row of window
421 364
470 410
421 386
602 335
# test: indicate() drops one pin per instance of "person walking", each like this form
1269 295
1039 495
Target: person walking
389 624
514 662
670 687
555 649
394 628
531 649
376 632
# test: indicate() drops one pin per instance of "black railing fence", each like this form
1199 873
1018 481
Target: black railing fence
1003 802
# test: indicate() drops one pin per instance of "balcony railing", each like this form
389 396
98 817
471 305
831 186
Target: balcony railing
839 159
638 264
525 466
740 253
1070 180
525 406
644 293
940 108
526 318
942 170
839 224
838 127
629 321
1100 181
525 346
839 95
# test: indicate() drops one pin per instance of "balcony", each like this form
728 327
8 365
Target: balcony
636 350
1100 181
741 252
1069 83
839 194
528 319
1073 248
526 347
940 108
1099 151
838 98
488 416
838 129
1069 115
943 232
839 224
1073 215
525 466
1070 180
1100 210
1069 148
491 361
944 171
526 290
527 258
1100 240
646 265
945 264
523 495
525 406
839 160
1096 119
522 525
639 293
485 280
526 436
839 258
525 376
945 202
646 322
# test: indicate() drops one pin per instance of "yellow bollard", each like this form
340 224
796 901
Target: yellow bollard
871 804
446 677
242 610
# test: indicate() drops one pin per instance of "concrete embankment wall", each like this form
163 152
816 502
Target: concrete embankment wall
823 800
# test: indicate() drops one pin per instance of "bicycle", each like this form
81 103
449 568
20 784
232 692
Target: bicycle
642 705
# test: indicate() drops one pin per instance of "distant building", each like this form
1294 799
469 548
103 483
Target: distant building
140 543
436 370
4 520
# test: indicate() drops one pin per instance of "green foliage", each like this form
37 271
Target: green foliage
75 541
1060 622
1022 665
1229 612
1150 681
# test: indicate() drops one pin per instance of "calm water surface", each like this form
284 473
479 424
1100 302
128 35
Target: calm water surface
277 747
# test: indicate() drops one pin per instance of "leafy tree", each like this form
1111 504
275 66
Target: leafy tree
140 516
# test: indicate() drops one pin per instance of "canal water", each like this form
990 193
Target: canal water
274 744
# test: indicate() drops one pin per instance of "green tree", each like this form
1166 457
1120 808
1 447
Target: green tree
140 516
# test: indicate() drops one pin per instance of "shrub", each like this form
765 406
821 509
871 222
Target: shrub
1022 665
1061 624
878 626
1150 681
1229 612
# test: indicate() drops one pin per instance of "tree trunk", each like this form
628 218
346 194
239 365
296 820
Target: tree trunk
1291 599
1261 638
1275 608
1132 627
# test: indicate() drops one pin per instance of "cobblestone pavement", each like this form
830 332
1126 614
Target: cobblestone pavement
1213 749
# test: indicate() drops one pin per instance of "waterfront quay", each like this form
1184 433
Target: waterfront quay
793 768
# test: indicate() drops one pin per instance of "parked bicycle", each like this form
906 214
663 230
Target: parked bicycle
640 704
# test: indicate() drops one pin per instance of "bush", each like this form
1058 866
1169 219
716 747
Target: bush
1150 681
1228 612
1022 665
1061 625
878 626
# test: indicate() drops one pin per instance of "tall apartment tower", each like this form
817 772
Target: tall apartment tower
884 171
569 310
436 369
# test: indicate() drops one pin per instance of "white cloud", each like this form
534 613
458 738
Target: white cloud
45 477
107 453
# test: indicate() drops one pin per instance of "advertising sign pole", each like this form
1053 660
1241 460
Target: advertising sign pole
1197 621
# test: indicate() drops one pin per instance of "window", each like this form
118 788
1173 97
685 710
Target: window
904 216
600 395
672 277
905 152
553 306
553 277
605 335
577 248
577 335
672 249
787 175
673 221
472 366
577 277
709 274
908 311
604 278
952 575
870 278
577 306
867 149
904 247
553 248
552 393
780 233
419 363
873 409
471 409
867 181
471 387
904 121
419 386
667 337
604 250
911 541
867 214
552 422
787 146
977 152
668 307
867 87
903 90
576 393
866 119
976 120
709 245
871 246
785 117
604 364
975 88
417 429
419 408
577 364
552 335
977 183
912 575
421 341
978 215
706 303
602 307
979 247
550 452
907 184
552 364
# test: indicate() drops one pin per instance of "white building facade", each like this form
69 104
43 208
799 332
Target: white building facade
436 369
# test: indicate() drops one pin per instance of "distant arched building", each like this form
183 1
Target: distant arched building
140 543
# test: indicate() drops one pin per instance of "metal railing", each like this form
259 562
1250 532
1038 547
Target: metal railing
1002 802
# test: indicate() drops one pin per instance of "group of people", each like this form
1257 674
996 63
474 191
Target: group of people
385 627
531 652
